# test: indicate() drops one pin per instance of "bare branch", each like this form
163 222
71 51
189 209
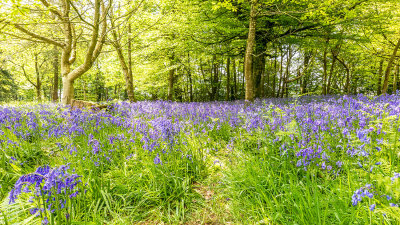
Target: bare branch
80 15
24 72
39 37
103 34
52 9
23 38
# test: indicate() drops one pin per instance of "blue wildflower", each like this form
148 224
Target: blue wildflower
157 160
45 221
372 207
361 193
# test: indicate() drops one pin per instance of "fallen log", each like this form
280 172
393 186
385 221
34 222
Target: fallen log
79 104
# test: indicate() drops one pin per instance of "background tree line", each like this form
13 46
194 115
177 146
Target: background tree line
197 50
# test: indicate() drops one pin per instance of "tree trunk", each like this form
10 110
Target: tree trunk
281 75
395 79
68 90
259 70
38 85
304 75
347 80
325 70
251 41
389 68
228 78
346 67
214 79
171 79
398 74
130 89
332 69
38 93
287 74
275 73
262 81
190 80
380 73
126 67
243 92
268 72
56 74
234 96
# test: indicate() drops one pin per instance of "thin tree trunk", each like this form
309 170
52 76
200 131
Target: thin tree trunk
190 80
398 74
332 69
171 79
131 91
126 66
251 41
389 68
380 73
214 78
56 75
38 80
287 74
395 79
281 75
243 92
275 74
234 79
262 81
258 69
346 67
267 91
325 70
228 78
303 79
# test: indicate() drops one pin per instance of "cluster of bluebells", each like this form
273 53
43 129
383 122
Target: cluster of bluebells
318 120
395 177
359 194
44 186
368 192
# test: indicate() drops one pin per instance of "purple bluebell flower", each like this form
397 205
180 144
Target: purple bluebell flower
372 207
45 221
359 194
396 176
157 160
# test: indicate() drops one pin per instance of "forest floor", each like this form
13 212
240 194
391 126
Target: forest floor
311 160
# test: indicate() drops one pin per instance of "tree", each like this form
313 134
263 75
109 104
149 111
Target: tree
248 60
66 15
389 67
120 24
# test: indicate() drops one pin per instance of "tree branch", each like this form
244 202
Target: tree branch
53 9
80 16
39 37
